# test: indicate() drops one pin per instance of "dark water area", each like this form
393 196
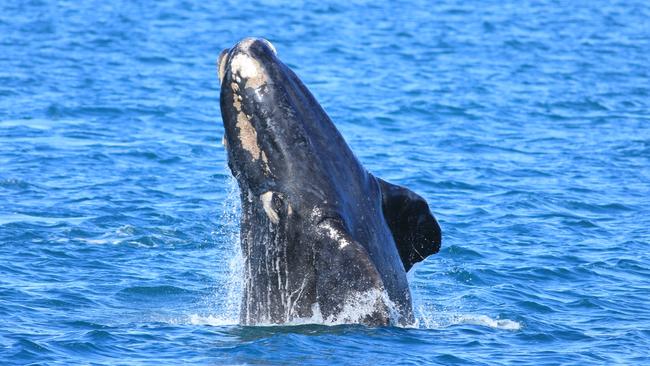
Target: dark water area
526 126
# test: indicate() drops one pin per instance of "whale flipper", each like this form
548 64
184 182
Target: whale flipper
360 284
415 231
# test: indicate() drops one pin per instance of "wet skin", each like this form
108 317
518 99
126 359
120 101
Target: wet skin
322 238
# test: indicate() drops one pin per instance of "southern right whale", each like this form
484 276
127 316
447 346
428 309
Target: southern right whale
322 238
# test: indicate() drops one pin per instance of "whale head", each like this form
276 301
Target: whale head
276 134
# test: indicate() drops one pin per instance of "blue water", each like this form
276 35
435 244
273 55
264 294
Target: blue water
525 124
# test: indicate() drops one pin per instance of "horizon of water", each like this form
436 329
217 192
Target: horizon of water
525 125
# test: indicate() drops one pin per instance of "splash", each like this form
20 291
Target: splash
211 320
229 294
232 212
354 311
360 306
429 318
486 321
226 300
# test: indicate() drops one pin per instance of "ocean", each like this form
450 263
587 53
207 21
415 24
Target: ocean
525 125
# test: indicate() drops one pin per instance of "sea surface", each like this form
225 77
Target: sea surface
525 124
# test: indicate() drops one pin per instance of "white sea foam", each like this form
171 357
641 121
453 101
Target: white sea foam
211 320
445 320
354 311
357 308
351 315
428 318
486 321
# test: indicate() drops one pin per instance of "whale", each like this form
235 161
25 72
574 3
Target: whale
322 239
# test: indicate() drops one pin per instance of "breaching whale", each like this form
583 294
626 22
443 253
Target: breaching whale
322 238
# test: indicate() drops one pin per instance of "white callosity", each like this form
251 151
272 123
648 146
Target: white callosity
267 205
245 68
249 69
247 133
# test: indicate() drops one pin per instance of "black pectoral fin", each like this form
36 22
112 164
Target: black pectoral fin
346 274
415 231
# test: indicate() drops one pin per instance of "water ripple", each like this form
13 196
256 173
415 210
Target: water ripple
524 126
